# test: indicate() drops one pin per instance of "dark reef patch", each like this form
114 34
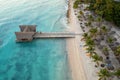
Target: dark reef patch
19 67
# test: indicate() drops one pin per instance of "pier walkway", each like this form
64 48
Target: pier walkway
28 33
38 35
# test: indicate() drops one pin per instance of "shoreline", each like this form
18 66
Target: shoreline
74 57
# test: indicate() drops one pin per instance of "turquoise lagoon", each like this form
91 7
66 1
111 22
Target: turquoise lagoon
44 59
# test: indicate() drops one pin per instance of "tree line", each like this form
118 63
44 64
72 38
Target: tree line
107 9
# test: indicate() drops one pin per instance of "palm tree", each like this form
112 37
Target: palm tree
104 74
96 58
105 51
117 73
88 24
79 16
85 36
90 18
117 51
99 20
110 40
86 1
81 13
93 32
89 42
104 30
90 49
76 3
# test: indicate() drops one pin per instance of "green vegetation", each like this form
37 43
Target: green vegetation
105 51
88 24
93 32
85 36
104 30
81 12
96 58
90 18
117 52
90 49
104 74
76 3
110 40
99 35
89 42
107 9
99 20
117 73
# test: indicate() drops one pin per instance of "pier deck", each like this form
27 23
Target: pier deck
54 35
28 33
48 35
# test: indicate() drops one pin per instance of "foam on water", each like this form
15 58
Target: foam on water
44 59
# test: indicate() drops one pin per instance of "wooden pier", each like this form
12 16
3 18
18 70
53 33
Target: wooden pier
28 33
39 35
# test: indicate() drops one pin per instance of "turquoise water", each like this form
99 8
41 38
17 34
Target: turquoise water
44 59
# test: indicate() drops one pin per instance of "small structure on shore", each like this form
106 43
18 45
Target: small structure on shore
26 34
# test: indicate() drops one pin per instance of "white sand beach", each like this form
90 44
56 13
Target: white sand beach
75 60
81 66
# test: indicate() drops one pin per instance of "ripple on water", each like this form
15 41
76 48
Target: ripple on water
43 59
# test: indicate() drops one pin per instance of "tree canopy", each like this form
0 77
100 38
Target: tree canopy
107 9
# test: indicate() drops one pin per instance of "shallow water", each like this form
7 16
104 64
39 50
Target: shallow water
44 59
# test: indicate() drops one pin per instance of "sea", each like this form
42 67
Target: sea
41 59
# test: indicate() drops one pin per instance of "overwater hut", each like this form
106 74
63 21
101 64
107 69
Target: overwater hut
26 34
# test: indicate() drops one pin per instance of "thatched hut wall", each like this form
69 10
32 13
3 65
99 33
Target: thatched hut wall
24 35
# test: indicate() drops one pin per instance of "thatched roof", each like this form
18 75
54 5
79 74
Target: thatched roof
28 28
27 32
